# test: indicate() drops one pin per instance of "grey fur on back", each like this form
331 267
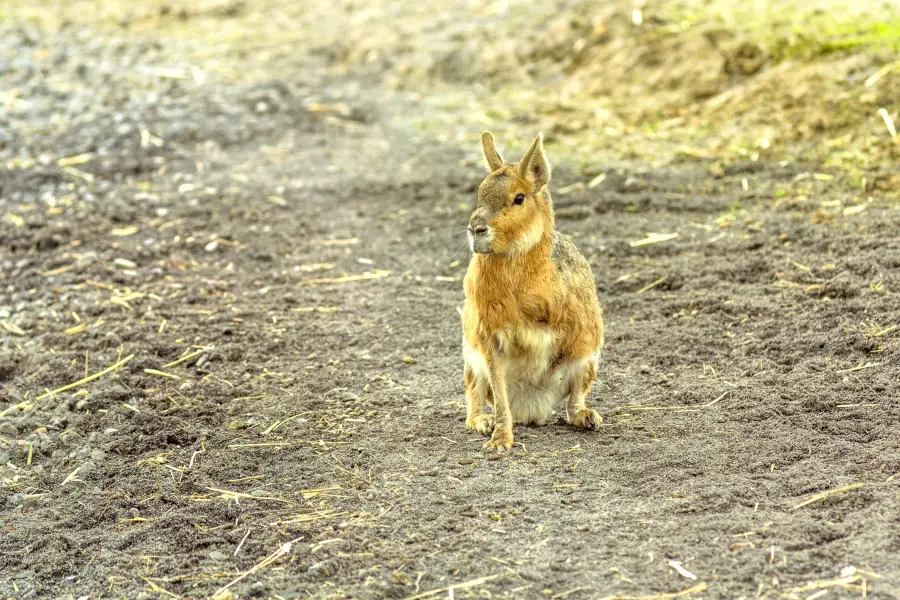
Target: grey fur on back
567 258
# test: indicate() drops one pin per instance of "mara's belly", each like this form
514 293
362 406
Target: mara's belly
533 395
534 386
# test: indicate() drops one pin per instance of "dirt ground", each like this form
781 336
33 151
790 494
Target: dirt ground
274 261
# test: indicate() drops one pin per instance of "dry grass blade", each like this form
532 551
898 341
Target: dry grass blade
58 270
854 582
321 309
868 365
80 328
12 328
19 406
306 518
459 586
178 361
888 122
79 174
158 589
241 544
681 570
653 238
885 331
281 444
80 159
596 181
700 587
650 286
673 407
73 476
230 495
877 75
161 374
347 279
123 231
84 380
826 494
282 550
568 593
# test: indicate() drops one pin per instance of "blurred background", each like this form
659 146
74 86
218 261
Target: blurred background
654 80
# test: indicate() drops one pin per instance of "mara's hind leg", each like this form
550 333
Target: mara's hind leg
477 391
577 413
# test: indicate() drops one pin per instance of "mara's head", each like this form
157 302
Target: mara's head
513 214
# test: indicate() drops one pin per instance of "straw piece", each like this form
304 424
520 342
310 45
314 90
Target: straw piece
653 238
378 274
114 367
826 494
459 586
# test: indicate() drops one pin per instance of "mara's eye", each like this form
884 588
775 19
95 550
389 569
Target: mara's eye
519 199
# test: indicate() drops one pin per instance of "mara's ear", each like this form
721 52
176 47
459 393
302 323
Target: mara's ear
534 166
493 158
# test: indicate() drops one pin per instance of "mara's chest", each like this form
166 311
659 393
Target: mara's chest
526 342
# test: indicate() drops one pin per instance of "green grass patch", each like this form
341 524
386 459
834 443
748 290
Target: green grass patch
824 37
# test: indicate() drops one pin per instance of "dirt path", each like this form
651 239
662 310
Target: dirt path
751 360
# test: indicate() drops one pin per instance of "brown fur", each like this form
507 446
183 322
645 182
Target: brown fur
531 304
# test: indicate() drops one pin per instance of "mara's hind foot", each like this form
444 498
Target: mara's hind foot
502 439
586 418
483 424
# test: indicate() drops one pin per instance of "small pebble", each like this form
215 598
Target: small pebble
466 461
7 428
217 555
86 468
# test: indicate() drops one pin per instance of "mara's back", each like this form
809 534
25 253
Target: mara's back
574 270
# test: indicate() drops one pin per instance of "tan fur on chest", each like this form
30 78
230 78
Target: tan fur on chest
526 352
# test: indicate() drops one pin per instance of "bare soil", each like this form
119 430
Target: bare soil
298 234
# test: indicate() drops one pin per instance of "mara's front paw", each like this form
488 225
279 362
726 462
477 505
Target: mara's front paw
587 418
502 439
480 423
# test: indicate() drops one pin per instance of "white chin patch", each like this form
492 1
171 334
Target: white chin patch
529 239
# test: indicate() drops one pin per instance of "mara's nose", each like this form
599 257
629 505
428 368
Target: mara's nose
478 229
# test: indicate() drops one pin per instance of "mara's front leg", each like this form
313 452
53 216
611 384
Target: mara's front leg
502 438
577 413
477 390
